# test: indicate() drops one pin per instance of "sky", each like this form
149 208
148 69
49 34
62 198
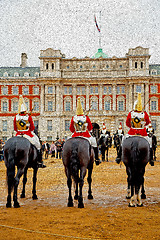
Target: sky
33 25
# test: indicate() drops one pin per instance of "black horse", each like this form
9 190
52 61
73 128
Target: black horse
105 142
117 142
135 156
78 156
20 153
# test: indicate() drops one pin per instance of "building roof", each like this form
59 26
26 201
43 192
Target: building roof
100 53
154 69
19 71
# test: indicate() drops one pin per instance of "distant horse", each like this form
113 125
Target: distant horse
105 142
135 156
117 142
18 151
78 156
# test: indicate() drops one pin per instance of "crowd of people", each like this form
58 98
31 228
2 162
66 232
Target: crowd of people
54 149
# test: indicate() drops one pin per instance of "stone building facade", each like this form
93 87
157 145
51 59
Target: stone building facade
107 87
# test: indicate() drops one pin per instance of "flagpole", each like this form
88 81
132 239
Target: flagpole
100 31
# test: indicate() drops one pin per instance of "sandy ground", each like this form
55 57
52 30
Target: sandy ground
107 216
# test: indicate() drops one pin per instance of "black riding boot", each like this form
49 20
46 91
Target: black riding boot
118 159
151 161
40 161
97 160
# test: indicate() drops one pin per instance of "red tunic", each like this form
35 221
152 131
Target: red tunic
136 131
81 134
31 127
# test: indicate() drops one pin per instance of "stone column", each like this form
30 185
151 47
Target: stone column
57 99
74 97
146 97
42 96
87 96
100 97
129 104
142 94
114 97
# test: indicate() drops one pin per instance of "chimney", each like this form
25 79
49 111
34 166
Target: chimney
23 60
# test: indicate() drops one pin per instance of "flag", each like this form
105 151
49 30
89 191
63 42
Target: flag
96 24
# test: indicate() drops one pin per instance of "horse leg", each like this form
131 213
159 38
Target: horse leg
107 154
131 203
128 196
89 179
143 195
69 184
81 182
34 195
16 183
24 183
10 182
76 192
103 154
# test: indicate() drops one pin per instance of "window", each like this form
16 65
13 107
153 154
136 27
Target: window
107 66
70 90
4 125
135 64
107 105
36 106
110 90
67 125
105 90
122 89
49 138
5 74
50 106
25 90
83 90
68 66
153 89
154 124
68 106
4 106
15 90
15 106
49 125
120 66
26 74
4 139
80 66
16 74
91 90
153 105
94 66
94 105
78 90
118 90
36 74
36 90
50 89
120 105
4 90
154 72
65 90
96 89
138 88
47 66
52 66
141 64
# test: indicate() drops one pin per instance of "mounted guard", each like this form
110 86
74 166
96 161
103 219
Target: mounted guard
24 127
81 126
137 120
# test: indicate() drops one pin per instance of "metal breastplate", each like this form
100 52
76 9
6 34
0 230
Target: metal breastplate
80 123
22 123
137 120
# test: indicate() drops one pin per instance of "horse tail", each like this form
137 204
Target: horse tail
10 170
135 158
74 163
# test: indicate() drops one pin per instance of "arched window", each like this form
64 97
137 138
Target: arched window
4 105
16 74
67 104
46 66
121 104
154 104
52 66
15 105
5 74
107 103
26 74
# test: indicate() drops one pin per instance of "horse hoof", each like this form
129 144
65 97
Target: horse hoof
90 197
127 197
80 205
143 196
129 205
76 197
70 204
16 205
34 197
140 205
22 195
8 205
